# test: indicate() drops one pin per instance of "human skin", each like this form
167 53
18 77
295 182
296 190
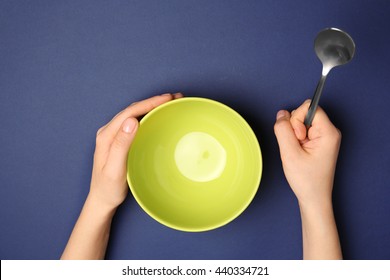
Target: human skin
309 160
108 188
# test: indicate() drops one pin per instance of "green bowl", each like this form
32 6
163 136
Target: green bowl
195 164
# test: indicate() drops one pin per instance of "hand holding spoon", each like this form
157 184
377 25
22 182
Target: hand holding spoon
333 47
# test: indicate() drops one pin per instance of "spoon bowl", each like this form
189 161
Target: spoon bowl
333 47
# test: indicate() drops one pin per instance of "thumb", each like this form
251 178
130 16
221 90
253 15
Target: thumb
287 140
117 157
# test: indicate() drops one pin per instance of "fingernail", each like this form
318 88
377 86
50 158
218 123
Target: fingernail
166 94
129 125
280 114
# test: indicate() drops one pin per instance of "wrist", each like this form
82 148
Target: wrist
323 204
317 212
98 207
319 230
314 196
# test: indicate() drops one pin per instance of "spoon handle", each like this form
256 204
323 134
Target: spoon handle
314 102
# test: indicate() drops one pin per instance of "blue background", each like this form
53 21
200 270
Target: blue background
67 67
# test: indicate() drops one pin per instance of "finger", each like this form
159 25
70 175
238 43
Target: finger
297 120
117 156
321 124
288 142
319 117
134 110
177 95
145 106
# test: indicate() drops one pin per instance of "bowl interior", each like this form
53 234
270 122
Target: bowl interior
194 165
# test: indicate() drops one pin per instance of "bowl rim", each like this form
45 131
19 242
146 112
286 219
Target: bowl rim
258 176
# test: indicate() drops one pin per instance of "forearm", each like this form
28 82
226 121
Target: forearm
90 235
319 231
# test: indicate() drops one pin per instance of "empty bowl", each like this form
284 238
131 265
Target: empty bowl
194 165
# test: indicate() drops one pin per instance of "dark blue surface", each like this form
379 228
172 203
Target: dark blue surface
67 67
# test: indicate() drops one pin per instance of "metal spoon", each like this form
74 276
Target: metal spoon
333 47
